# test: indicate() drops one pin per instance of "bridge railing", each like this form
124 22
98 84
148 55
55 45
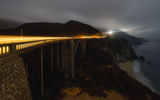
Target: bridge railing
15 47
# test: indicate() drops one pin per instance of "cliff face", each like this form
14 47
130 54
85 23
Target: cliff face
119 49
131 39
13 80
100 71
97 74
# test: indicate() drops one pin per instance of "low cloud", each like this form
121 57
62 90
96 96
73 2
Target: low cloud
138 16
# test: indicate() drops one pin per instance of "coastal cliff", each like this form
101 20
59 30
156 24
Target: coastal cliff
98 76
104 73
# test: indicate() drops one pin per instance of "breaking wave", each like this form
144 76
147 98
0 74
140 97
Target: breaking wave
140 76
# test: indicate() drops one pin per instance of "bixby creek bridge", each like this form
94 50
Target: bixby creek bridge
63 50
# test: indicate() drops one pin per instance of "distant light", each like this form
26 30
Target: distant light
110 32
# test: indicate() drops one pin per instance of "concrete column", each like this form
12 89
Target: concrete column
57 52
42 73
63 56
72 57
5 49
52 58
12 47
83 46
66 50
2 49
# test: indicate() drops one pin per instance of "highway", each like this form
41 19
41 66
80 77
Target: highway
22 42
8 39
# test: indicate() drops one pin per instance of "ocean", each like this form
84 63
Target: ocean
148 71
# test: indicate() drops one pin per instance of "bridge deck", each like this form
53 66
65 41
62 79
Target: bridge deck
9 43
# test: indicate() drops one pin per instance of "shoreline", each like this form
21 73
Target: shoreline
127 67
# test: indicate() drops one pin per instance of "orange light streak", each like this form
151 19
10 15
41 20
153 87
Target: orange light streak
20 39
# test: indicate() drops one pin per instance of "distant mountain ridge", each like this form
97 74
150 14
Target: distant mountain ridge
131 39
53 29
5 23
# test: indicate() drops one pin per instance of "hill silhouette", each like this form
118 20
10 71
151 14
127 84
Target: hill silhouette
6 23
131 39
53 29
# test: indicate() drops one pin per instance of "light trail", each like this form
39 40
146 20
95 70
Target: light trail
7 39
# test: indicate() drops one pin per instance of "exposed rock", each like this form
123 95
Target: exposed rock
13 81
96 73
73 91
119 49
102 52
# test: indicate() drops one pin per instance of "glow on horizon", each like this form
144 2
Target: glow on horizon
110 32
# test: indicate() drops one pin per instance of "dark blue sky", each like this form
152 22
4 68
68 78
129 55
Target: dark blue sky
138 17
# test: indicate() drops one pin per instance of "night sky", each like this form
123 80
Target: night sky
138 17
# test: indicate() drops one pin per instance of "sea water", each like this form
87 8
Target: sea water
148 71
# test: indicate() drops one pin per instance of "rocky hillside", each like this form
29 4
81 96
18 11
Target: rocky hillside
97 74
103 73
131 39
13 80
119 49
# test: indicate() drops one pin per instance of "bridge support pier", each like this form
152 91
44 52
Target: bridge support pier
72 57
63 56
42 73
57 59
13 48
52 58
66 56
83 46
